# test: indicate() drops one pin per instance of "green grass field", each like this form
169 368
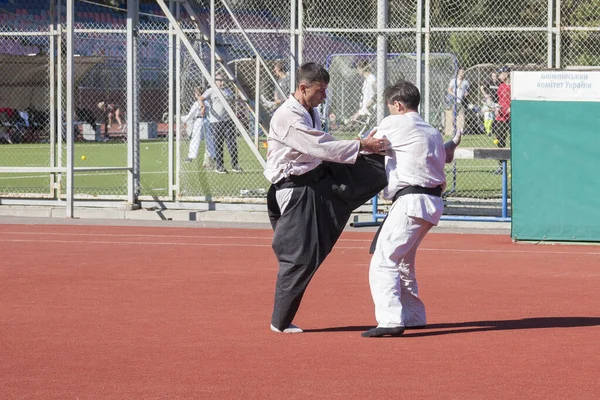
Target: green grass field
194 180
473 178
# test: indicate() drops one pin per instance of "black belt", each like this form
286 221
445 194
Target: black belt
311 176
436 191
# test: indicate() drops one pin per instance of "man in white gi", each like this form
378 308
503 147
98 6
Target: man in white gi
317 181
416 180
367 100
200 130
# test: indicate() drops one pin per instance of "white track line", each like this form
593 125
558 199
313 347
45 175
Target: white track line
138 235
122 243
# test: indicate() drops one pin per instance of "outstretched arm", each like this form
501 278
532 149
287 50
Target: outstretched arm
451 145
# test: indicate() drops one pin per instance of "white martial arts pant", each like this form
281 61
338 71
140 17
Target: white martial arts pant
392 275
200 130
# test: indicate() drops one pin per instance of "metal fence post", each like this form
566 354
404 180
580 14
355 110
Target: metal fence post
59 97
133 142
427 84
70 91
213 43
382 42
550 31
557 61
419 47
300 33
171 108
52 108
178 106
257 103
293 48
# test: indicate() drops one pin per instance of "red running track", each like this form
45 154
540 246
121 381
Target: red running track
91 312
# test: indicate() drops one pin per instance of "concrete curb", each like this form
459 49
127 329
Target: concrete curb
226 217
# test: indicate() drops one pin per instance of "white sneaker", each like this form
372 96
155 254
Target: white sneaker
208 163
290 329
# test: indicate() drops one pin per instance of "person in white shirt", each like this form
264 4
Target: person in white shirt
367 100
316 183
223 128
200 130
414 165
458 90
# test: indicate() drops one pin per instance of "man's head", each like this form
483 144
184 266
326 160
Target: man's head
503 73
280 68
363 67
460 74
402 98
219 80
311 84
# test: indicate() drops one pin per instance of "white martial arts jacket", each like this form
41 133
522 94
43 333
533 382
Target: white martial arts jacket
416 157
194 112
297 144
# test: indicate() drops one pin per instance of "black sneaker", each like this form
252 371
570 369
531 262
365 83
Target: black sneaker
189 159
220 170
237 168
498 171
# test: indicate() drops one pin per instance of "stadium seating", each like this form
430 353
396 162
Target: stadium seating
34 15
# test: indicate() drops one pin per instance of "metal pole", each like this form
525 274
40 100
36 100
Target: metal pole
59 96
178 107
70 91
419 46
558 36
504 190
171 146
550 3
52 97
300 50
427 87
257 103
293 50
213 42
382 15
133 144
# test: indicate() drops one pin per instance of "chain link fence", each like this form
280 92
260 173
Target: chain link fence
100 105
24 98
431 43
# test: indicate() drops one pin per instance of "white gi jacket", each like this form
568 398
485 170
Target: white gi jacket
368 93
194 112
297 144
416 158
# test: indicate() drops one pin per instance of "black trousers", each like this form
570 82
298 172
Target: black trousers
501 131
311 223
225 132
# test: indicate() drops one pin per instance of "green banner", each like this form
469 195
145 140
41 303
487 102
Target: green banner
555 170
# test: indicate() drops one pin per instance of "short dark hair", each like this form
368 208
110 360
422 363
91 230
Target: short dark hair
364 64
403 92
310 73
